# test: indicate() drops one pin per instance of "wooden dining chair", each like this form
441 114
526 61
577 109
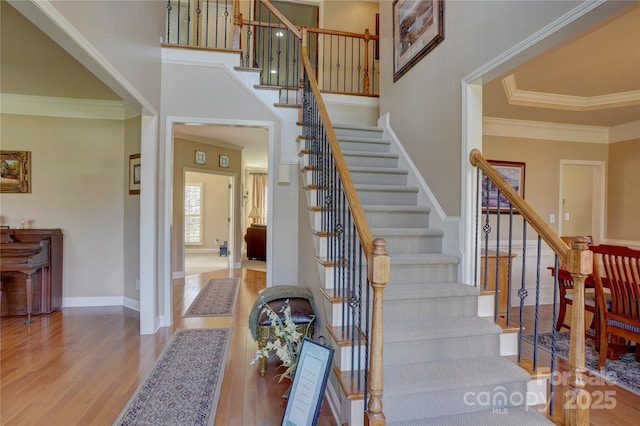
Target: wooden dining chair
617 269
565 290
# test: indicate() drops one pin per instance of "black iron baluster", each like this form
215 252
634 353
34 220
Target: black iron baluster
169 7
509 251
522 293
537 306
197 23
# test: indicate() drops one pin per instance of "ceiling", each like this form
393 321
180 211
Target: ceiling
592 79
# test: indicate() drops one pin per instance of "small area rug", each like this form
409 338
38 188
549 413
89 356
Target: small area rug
217 298
184 385
624 371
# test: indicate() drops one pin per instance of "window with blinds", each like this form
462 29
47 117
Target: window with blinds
193 213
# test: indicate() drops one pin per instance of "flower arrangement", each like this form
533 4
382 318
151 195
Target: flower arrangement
288 343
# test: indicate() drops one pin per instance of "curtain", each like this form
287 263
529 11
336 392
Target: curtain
259 196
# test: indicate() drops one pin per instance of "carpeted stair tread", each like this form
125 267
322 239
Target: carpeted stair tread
427 291
444 375
513 416
348 126
439 328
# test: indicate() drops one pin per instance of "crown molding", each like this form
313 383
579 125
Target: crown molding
492 126
543 130
65 107
625 132
519 97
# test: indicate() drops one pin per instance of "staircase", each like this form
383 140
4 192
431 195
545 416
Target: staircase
442 362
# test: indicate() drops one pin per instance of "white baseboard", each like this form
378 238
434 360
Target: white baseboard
132 304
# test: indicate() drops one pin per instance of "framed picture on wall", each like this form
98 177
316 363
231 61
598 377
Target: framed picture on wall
15 171
134 174
418 27
513 173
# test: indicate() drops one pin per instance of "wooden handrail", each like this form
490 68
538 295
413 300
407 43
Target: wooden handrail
365 35
364 233
579 262
282 18
542 228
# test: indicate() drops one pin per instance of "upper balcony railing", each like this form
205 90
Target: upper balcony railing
343 62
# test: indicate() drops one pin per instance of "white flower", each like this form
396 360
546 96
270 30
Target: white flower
289 340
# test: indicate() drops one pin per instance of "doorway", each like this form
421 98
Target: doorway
581 210
207 222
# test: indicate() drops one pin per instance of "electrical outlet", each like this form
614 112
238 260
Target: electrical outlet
566 216
552 218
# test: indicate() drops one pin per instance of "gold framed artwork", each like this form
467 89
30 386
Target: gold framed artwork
15 171
513 173
418 27
134 174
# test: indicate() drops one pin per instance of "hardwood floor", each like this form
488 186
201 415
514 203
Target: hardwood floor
80 366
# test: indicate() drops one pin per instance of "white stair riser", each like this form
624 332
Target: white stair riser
344 358
508 344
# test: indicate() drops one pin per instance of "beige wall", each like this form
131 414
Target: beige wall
78 177
623 189
183 159
542 172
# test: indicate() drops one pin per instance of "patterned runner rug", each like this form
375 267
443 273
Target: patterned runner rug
624 371
217 298
184 385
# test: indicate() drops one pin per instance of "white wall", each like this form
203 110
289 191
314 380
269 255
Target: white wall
78 177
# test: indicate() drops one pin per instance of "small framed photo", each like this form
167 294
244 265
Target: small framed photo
201 157
512 172
418 27
309 384
224 160
134 174
15 171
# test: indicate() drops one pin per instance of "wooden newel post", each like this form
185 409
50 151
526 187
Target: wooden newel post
379 273
577 401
